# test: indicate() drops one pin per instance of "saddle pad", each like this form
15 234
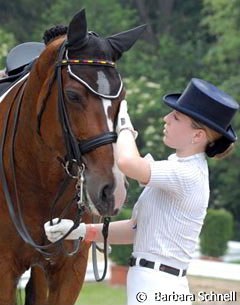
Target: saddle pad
4 93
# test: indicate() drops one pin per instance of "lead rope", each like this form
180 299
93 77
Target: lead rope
106 221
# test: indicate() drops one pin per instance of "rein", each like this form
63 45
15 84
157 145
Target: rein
105 251
16 217
75 149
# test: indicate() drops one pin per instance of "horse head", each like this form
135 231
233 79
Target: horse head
86 107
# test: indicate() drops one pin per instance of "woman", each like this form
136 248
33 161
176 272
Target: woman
168 216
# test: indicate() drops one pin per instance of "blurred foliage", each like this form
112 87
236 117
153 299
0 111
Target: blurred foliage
105 18
8 41
183 39
22 17
120 254
216 232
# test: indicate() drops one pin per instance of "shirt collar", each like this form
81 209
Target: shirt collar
183 159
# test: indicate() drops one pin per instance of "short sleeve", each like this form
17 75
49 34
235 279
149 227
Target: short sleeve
172 176
135 213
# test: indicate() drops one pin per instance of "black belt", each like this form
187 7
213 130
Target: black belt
148 264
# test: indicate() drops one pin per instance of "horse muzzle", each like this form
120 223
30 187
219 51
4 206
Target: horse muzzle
106 199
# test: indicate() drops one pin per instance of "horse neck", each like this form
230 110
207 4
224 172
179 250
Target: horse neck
35 159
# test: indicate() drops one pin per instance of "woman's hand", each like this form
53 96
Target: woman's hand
60 228
124 121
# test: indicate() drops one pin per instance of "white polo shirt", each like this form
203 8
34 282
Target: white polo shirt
170 211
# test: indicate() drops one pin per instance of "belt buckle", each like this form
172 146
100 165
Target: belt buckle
143 262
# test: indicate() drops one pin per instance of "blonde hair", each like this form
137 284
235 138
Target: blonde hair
212 137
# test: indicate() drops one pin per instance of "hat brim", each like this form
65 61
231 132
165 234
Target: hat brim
171 101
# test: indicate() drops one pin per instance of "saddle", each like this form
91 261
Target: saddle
19 62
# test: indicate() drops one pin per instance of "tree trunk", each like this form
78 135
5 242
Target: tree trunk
144 14
152 10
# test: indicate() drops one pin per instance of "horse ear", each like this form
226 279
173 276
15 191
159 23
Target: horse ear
123 41
77 34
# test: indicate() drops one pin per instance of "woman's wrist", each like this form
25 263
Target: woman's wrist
91 233
133 131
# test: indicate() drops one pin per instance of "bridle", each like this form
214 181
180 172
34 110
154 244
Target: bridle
75 149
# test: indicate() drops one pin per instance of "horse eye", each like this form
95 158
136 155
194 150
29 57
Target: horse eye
73 96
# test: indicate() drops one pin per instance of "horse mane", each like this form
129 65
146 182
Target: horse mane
54 32
48 36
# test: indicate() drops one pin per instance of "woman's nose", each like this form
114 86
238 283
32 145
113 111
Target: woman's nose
166 118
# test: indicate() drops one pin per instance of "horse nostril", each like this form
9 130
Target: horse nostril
107 191
115 212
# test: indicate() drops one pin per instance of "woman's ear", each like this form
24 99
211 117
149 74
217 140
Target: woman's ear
199 136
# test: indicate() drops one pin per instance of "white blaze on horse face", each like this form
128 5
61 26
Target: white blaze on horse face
120 189
103 83
106 105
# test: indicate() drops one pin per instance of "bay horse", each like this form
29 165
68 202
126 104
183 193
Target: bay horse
57 140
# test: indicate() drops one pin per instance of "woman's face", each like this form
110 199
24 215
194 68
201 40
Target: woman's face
178 131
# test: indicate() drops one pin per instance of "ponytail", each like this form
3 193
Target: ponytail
220 148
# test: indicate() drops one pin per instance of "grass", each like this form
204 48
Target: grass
94 293
103 293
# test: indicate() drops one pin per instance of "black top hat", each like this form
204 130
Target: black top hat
207 104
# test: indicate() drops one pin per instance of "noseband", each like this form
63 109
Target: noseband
76 148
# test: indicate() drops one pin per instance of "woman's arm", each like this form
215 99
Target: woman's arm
119 232
129 160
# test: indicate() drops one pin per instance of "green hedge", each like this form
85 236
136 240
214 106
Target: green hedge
216 232
120 253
